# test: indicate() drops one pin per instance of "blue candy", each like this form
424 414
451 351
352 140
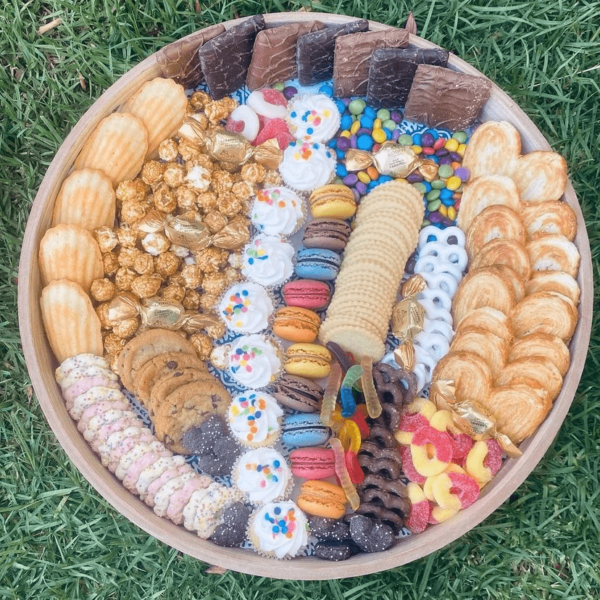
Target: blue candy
388 133
364 142
370 112
346 122
445 194
332 143
340 154
341 106
416 138
304 430
326 89
447 201
341 170
367 122
384 178
428 187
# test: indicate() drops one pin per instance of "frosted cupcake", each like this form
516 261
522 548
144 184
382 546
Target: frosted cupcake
263 475
268 261
313 118
254 418
277 211
246 308
254 361
307 166
278 530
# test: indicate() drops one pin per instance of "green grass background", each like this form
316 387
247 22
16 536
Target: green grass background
58 538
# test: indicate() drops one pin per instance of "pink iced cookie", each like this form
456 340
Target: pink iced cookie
133 473
136 453
153 471
81 386
182 496
155 486
162 498
108 416
81 361
107 430
116 439
268 103
100 408
127 445
79 404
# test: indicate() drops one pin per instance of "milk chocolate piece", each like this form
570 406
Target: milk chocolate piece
316 50
353 56
392 71
274 54
443 98
225 59
180 60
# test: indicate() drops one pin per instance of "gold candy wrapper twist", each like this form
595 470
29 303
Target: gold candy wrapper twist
156 313
230 147
407 321
470 417
194 235
391 159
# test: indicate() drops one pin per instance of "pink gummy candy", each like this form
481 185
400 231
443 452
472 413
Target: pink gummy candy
410 422
420 512
235 126
461 444
275 129
432 520
465 487
409 467
441 441
493 460
274 97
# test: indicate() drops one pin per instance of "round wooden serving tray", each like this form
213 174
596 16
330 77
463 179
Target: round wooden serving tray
41 363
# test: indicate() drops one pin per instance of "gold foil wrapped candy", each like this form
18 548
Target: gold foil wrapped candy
408 315
158 313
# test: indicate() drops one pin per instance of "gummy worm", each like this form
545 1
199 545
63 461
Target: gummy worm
368 387
348 402
330 396
342 473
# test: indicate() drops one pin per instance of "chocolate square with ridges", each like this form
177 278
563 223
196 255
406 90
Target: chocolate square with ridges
274 54
226 58
443 98
392 71
316 50
180 60
353 56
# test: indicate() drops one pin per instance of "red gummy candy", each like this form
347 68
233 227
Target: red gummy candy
465 487
441 441
420 513
235 126
461 444
410 422
409 468
431 519
356 473
274 129
360 420
493 460
274 97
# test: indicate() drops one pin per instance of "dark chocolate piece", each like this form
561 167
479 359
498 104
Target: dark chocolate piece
353 56
226 58
274 54
201 440
232 531
336 550
324 528
370 535
316 50
392 71
444 98
180 60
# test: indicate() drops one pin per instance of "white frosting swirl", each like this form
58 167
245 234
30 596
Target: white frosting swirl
268 260
313 117
246 308
254 361
280 528
262 474
254 416
277 211
306 167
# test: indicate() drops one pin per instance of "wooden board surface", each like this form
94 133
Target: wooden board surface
41 363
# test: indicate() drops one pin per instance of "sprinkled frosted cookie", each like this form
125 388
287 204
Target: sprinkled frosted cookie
246 308
267 260
263 475
307 166
277 211
279 530
313 117
78 362
79 404
254 361
154 471
254 418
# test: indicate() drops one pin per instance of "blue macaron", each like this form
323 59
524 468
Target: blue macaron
301 431
317 263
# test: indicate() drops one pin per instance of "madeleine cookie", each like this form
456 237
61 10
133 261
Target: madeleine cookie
549 217
552 252
542 345
145 347
540 176
492 223
554 281
504 252
188 406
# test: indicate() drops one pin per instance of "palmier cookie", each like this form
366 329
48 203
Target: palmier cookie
494 223
541 345
504 252
533 368
471 375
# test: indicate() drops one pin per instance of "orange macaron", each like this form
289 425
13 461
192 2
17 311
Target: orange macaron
296 324
322 499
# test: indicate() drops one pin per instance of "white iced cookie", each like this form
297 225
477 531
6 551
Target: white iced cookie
277 211
254 418
313 117
267 260
307 166
262 474
246 308
254 361
81 361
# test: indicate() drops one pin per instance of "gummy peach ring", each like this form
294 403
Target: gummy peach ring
455 491
423 406
439 514
428 485
431 451
484 460
409 423
420 509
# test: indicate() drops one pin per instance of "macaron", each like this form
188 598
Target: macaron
331 234
296 324
307 293
307 360
332 201
317 263
298 393
313 463
322 499
304 430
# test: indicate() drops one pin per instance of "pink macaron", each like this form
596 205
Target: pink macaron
313 463
307 293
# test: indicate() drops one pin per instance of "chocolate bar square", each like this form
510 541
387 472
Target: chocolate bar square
180 60
443 98
316 50
392 70
225 59
353 56
274 54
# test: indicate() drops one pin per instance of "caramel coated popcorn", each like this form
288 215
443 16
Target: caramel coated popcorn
102 290
198 178
215 221
167 264
102 312
164 198
219 110
221 182
126 328
192 276
146 286
131 191
207 201
133 210
229 204
173 293
199 100
113 344
187 150
174 175
168 150
208 301
152 172
211 259
191 300
186 198
214 283
144 264
254 173
242 190
106 238
128 256
202 344
110 262
272 178
124 277
127 236
155 243
216 331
